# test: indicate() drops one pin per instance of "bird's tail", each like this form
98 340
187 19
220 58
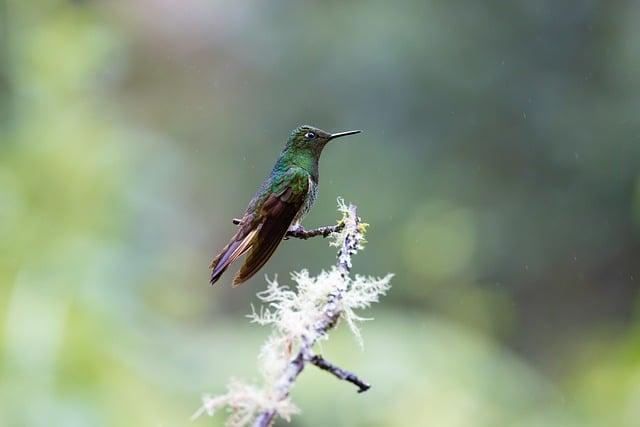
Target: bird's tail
235 248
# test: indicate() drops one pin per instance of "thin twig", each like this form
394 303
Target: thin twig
332 310
299 232
342 374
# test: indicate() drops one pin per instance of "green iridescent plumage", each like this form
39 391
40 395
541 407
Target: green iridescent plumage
283 199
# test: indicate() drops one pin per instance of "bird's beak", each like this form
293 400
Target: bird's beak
340 134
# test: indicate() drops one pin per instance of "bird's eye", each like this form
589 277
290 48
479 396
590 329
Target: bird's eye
309 135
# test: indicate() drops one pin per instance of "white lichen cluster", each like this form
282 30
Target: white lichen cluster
244 401
294 313
299 317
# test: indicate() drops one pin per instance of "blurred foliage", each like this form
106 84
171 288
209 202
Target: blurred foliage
499 170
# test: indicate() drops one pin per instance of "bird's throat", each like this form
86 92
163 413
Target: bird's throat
305 160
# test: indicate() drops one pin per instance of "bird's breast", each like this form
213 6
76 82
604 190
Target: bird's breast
312 193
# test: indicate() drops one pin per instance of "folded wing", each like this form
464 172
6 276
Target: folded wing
260 232
276 215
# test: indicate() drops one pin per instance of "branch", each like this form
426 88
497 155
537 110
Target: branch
351 242
300 318
299 232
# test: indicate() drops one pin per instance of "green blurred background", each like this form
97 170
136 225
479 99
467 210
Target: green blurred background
499 170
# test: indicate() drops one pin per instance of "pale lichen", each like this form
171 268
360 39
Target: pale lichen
294 313
244 402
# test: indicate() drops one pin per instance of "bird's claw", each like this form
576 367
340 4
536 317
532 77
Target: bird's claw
296 229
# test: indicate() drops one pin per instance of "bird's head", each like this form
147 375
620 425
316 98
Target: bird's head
313 139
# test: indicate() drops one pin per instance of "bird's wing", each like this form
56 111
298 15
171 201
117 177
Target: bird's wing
278 211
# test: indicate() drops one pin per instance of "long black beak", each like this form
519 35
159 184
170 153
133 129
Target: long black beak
340 134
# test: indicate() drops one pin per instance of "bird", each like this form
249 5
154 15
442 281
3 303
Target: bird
283 199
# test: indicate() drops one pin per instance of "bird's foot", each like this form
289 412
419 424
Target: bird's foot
296 230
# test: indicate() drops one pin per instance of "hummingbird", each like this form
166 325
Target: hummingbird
283 199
